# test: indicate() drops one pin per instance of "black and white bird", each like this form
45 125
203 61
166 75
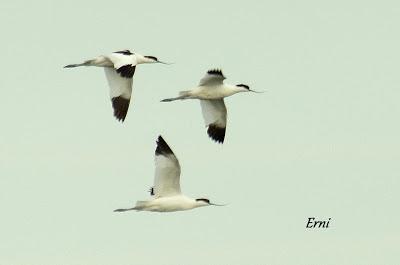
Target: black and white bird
166 192
211 91
119 68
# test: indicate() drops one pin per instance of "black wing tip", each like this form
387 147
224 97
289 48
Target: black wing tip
124 52
215 72
216 133
120 106
162 147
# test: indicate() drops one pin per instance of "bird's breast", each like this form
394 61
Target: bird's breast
211 92
172 204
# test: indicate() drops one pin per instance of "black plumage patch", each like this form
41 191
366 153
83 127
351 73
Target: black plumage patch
204 200
126 71
245 86
162 147
120 106
124 52
216 133
151 57
215 72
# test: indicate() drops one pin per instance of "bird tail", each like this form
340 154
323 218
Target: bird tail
124 210
85 63
182 95
73 65
100 61
140 205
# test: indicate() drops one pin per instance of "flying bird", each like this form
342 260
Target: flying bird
211 91
166 192
119 68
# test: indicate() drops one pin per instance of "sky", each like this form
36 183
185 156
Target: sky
322 142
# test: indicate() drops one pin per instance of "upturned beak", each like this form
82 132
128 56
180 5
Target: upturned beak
256 91
217 204
164 62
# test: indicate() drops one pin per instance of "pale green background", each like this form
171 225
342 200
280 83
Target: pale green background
323 141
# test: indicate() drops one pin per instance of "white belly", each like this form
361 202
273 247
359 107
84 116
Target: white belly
170 204
211 92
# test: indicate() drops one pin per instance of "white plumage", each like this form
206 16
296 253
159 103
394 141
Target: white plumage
212 78
211 92
166 192
214 112
167 174
119 86
119 68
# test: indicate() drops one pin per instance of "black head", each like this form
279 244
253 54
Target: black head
204 200
244 86
151 57
207 201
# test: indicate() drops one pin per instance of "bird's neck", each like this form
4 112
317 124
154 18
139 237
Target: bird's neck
140 59
231 90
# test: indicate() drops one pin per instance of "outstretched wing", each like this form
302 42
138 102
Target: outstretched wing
120 92
214 114
168 170
120 81
212 78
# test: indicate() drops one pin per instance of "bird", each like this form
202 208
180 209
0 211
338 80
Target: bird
119 68
166 195
211 92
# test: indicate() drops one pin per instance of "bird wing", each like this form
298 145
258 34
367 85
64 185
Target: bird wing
168 170
214 114
212 78
120 81
120 92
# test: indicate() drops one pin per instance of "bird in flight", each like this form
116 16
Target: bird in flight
119 68
211 92
166 192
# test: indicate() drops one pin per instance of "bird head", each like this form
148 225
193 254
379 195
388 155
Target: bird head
206 202
246 88
151 59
